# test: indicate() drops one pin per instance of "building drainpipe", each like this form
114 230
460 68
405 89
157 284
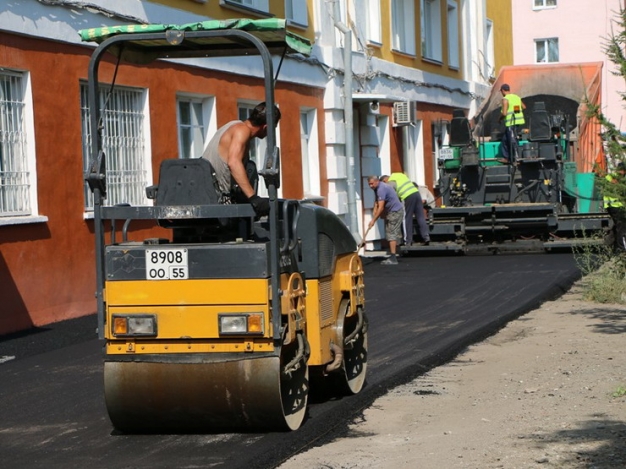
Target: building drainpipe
353 224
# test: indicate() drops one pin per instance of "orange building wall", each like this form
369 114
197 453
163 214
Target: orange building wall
428 114
47 270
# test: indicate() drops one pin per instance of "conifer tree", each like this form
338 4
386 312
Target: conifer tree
612 182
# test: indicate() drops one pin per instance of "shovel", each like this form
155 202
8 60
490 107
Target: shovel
362 243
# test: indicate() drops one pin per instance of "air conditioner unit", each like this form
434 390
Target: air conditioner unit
404 113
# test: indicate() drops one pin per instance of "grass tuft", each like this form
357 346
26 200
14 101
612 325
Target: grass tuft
604 270
620 392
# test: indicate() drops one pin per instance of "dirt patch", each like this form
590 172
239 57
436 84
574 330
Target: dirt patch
544 392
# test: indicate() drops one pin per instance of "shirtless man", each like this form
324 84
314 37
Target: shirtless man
228 152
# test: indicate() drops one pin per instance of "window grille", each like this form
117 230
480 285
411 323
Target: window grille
14 174
122 142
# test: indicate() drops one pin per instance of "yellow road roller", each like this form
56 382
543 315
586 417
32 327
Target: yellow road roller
226 324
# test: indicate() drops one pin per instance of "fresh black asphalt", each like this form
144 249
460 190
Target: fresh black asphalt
421 314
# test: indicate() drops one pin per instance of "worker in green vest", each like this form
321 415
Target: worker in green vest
512 114
410 196
615 208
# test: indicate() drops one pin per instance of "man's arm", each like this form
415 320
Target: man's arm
236 154
378 210
505 108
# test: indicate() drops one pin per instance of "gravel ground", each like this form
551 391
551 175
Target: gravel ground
544 392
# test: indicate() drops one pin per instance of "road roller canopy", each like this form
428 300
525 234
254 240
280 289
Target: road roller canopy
159 41
145 43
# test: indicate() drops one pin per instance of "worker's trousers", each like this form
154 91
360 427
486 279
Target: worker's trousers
413 206
509 144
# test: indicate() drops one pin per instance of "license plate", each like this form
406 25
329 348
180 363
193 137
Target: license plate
446 153
166 264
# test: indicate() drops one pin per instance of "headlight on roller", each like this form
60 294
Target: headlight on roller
241 324
134 325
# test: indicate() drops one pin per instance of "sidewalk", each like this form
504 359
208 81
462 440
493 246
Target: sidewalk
544 392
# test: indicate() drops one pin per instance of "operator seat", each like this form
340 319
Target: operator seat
184 182
461 136
542 146
190 182
460 130
540 125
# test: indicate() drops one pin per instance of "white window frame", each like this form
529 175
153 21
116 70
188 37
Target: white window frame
373 24
296 12
258 146
247 5
135 126
310 153
201 126
544 4
403 26
454 59
430 17
546 44
17 150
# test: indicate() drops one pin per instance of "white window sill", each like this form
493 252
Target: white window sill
5 221
406 54
297 24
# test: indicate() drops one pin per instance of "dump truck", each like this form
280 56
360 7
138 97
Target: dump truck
227 323
548 199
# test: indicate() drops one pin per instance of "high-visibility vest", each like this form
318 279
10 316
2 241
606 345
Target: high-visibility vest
515 112
404 186
611 202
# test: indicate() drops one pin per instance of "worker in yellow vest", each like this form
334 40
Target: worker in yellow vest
615 208
513 116
410 196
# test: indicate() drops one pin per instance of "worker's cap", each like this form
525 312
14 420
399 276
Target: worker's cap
505 87
621 166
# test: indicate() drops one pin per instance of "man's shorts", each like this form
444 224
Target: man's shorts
393 226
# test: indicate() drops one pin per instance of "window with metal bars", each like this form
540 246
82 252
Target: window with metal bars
123 142
15 197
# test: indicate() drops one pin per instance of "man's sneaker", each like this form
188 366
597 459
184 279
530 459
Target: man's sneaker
391 260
